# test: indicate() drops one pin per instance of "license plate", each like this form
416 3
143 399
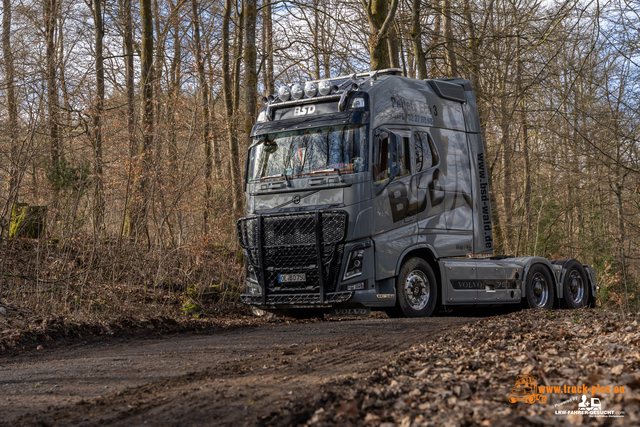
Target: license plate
286 278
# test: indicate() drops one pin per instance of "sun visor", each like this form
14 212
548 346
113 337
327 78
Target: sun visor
446 90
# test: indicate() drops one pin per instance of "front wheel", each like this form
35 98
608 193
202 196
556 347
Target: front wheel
417 289
540 288
576 292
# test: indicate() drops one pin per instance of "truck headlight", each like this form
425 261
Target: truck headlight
354 264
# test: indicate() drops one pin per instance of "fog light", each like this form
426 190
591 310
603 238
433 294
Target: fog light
253 288
356 286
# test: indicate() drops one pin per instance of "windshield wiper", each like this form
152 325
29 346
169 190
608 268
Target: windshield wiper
286 178
329 170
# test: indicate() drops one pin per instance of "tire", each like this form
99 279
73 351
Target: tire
575 285
540 288
542 398
512 400
416 289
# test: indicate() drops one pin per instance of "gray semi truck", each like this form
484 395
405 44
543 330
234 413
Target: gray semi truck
370 191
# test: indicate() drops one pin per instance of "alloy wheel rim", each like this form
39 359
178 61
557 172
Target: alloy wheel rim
416 287
576 287
540 290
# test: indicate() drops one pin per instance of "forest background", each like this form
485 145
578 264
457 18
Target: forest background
123 128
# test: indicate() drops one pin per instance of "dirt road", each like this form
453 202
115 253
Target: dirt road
235 377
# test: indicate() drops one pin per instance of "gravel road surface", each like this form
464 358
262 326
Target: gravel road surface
233 377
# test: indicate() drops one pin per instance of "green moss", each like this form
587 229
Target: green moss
27 221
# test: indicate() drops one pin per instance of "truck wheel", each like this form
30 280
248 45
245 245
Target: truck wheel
576 291
416 287
540 288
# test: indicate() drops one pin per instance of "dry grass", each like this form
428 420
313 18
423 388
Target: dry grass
89 281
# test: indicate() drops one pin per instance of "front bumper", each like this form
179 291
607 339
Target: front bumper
296 300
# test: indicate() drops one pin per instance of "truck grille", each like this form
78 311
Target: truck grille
294 243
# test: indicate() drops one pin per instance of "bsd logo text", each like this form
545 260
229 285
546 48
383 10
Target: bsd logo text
301 111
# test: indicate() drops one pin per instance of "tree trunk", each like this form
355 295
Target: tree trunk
316 44
174 96
416 38
435 39
380 17
449 40
392 41
129 76
12 106
137 224
326 49
251 76
206 122
268 28
228 92
473 48
525 143
98 109
158 66
217 170
505 145
50 9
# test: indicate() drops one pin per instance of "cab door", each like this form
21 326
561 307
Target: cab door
395 199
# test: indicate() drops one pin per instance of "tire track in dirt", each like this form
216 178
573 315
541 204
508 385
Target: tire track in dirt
231 378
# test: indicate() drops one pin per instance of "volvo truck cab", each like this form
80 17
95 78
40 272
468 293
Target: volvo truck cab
371 191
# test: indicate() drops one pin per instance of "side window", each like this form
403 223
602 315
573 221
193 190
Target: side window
382 148
405 159
425 151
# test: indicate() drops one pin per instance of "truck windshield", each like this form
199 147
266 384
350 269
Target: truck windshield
296 153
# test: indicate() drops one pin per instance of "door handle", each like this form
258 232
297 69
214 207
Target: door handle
277 185
410 218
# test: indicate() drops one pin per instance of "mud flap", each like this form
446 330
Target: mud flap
350 312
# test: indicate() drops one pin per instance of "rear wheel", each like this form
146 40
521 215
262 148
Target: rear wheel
540 288
575 289
417 290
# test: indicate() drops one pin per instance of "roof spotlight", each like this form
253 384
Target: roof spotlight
310 89
324 87
284 93
296 91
